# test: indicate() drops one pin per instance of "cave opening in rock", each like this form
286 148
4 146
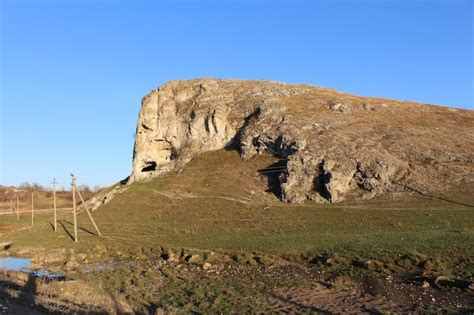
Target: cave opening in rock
272 174
149 167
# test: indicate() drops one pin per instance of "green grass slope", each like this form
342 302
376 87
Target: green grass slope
219 202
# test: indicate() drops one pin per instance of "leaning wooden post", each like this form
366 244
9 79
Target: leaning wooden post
32 209
73 187
88 213
17 207
54 206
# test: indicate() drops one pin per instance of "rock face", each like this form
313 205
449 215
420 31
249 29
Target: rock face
332 146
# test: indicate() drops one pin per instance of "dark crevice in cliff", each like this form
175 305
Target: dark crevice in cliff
235 142
145 127
321 182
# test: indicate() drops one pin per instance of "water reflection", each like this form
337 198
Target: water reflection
15 264
22 264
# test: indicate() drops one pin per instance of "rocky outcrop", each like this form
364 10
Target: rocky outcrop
331 145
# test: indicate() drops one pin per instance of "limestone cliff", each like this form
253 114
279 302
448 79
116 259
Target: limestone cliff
332 145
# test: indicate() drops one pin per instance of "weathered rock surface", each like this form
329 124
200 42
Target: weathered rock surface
332 145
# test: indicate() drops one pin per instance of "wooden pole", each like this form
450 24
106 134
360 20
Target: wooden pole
88 213
73 186
17 207
32 211
11 206
54 206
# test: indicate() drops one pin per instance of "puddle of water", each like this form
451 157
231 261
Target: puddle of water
15 263
22 264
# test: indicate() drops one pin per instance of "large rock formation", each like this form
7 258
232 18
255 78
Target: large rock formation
332 145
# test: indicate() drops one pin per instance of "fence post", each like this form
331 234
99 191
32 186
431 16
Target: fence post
54 206
32 209
17 207
73 186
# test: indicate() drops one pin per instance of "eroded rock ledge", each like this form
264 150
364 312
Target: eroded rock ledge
332 145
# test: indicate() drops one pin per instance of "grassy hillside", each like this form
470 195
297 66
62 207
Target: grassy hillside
281 255
218 202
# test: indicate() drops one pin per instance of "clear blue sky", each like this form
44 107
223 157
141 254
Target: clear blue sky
73 72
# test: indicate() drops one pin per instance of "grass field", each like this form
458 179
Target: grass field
218 203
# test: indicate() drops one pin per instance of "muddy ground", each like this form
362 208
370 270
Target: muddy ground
167 284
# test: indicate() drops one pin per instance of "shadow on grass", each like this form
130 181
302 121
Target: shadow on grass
23 299
62 223
51 225
66 230
447 200
411 189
